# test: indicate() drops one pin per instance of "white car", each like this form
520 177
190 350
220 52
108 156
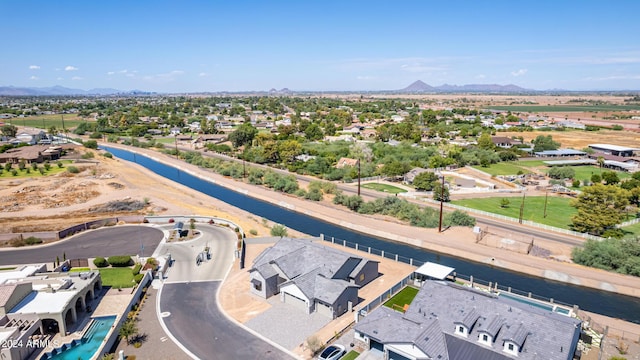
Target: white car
333 352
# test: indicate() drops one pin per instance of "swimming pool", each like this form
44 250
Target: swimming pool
536 303
87 346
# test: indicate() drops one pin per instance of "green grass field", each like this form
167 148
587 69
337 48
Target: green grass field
503 168
632 231
79 269
46 121
117 277
566 108
405 296
384 188
585 172
559 212
54 169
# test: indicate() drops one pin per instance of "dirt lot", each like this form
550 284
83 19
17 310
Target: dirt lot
580 139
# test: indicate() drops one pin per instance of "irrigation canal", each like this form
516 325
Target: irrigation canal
598 301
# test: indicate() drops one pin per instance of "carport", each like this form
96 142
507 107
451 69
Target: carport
432 271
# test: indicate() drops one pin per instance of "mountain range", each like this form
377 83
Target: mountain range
62 91
420 87
416 87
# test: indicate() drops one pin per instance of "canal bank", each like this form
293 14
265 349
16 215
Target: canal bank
458 243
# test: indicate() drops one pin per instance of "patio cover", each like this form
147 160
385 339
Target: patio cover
434 270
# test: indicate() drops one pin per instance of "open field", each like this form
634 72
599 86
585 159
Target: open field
28 172
503 168
559 212
585 172
384 188
579 139
565 108
46 121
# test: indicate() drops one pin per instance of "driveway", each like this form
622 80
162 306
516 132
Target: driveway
105 242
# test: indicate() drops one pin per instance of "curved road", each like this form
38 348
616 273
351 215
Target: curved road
105 242
188 305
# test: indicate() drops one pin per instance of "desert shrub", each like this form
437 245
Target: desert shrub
73 170
120 260
300 193
60 164
100 262
253 232
314 194
278 230
32 240
88 155
329 188
138 277
561 172
108 155
136 269
91 144
459 218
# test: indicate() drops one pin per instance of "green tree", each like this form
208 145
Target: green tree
485 142
596 178
395 168
244 134
91 144
610 177
9 130
504 203
313 132
129 328
278 230
289 149
440 192
600 207
425 181
541 143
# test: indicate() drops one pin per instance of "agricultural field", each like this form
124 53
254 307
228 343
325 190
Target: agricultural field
559 212
579 139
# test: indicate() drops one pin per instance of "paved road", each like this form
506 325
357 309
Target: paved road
108 241
188 300
197 322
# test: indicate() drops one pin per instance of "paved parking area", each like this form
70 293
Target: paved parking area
286 324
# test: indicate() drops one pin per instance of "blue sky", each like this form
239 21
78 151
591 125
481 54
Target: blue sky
190 46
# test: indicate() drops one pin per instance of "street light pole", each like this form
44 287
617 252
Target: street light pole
441 205
175 136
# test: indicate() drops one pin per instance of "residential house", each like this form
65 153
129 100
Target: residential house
311 276
31 136
447 321
411 175
344 161
504 142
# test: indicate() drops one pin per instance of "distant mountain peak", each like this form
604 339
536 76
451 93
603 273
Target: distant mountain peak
418 86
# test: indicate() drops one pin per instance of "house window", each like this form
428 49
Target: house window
485 338
361 277
257 285
461 330
510 347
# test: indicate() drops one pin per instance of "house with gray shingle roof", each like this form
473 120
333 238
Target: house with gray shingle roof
311 276
447 321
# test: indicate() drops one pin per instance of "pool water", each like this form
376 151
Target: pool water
88 345
545 306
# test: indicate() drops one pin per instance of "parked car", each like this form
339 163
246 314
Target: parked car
333 352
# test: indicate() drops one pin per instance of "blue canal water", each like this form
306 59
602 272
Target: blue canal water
90 342
598 301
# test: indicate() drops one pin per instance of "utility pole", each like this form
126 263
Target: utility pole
441 204
358 177
244 169
176 141
521 209
546 196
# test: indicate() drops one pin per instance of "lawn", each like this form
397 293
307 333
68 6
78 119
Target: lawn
405 296
351 355
54 169
79 269
585 172
46 121
117 277
384 188
632 231
504 168
559 212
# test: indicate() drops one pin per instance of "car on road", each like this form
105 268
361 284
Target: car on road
333 352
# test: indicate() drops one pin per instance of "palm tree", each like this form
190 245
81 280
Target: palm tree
129 328
600 161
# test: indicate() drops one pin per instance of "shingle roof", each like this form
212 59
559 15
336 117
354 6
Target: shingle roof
541 334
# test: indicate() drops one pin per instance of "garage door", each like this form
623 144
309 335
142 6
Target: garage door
295 301
324 310
394 356
376 345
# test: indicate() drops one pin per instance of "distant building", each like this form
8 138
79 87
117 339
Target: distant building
504 142
559 153
346 162
613 149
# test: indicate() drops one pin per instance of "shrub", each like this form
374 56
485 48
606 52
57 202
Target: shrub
253 232
100 262
136 269
138 277
108 155
561 172
73 170
459 218
120 260
91 144
60 164
32 240
314 195
88 155
278 230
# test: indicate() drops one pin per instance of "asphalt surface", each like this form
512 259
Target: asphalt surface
188 303
105 242
199 325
